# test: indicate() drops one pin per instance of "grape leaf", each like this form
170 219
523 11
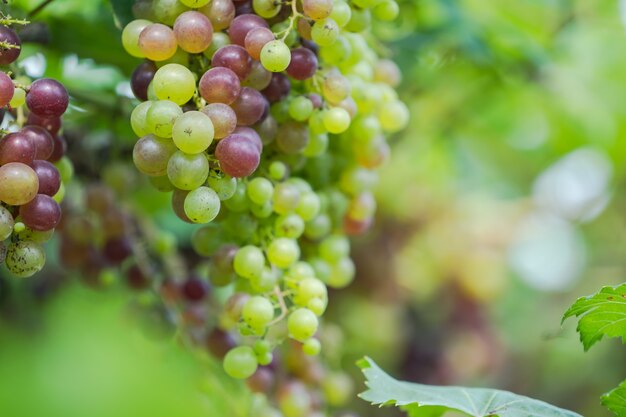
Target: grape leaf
603 313
616 400
433 401
123 11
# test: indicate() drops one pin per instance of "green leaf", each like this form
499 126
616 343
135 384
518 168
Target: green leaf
123 11
616 400
433 401
600 314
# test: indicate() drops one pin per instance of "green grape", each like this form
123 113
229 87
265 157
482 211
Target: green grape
334 248
238 202
161 116
394 117
174 82
66 168
325 32
317 146
283 252
60 195
341 273
302 324
266 282
278 170
338 389
162 183
19 98
360 20
138 119
309 289
193 132
266 8
290 226
224 185
338 52
262 347
341 13
258 312
300 108
286 198
207 240
220 39
317 305
202 205
317 9
35 235
336 120
240 362
275 56
336 88
130 37
249 262
316 123
262 211
265 359
187 172
318 227
321 268
25 258
260 191
196 4
166 11
365 129
355 180
312 347
6 223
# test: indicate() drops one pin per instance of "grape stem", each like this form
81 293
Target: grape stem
281 303
8 45
39 8
7 20
292 20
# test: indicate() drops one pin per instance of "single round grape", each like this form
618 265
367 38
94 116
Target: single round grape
130 37
174 82
141 78
317 9
300 108
157 42
17 147
18 99
18 183
249 106
7 89
394 117
304 29
266 8
260 190
42 139
161 183
336 120
312 347
47 98
51 124
193 132
138 118
178 204
386 71
220 85
360 20
151 155
338 388
41 213
25 258
334 248
289 226
336 87
207 240
294 400
161 116
341 273
224 185
187 172
6 223
308 206
259 78
317 146
195 289
220 12
240 362
286 198
302 324
251 135
223 118
303 64
278 89
249 262
256 39
243 24
243 7
283 252
258 312
338 52
193 32
308 289
238 156
292 137
341 14
235 58
318 227
49 177
325 32
238 202
267 130
9 37
262 211
202 205
275 56
166 11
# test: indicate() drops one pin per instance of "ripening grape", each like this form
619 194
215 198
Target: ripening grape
151 155
157 42
17 147
238 156
25 258
249 106
193 32
303 64
220 85
18 183
317 9
130 37
193 132
166 11
220 12
258 78
242 25
256 39
187 172
174 82
42 213
235 58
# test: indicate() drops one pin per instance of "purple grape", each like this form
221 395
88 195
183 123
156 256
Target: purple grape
6 89
251 135
249 106
178 204
316 99
49 177
243 24
141 78
238 156
292 137
117 250
43 140
193 31
303 64
9 55
220 85
51 124
235 58
47 98
223 117
17 147
279 88
243 8
42 213
195 289
136 279
60 148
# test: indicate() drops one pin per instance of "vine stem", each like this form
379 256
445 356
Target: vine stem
39 8
281 303
294 15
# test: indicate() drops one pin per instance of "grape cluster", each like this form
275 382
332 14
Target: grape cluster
31 185
266 121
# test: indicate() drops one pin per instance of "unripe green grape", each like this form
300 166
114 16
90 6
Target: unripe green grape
262 347
302 324
318 227
283 252
18 99
241 226
312 347
161 116
35 235
220 39
336 120
60 195
138 118
166 11
174 82
240 362
286 198
317 146
130 37
193 132
341 273
321 268
366 4
66 168
325 32
249 262
290 226
338 389
266 8
355 180
266 282
309 289
364 71
275 56
202 205
187 172
262 211
265 359
195 4
25 258
338 52
278 171
308 206
387 11
294 400
341 13
260 190
6 223
300 108
394 117
258 312
180 57
317 305
316 123
224 185
207 240
360 20
365 129
334 248
238 202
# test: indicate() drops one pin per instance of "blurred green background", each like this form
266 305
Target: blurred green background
503 202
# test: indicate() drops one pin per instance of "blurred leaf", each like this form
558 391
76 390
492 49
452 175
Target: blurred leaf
433 401
616 400
123 11
600 314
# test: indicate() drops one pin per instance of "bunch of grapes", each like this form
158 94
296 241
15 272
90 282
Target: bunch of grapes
266 121
30 183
